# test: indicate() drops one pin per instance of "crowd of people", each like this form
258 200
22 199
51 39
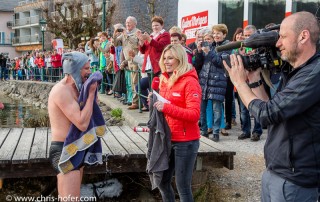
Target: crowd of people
199 89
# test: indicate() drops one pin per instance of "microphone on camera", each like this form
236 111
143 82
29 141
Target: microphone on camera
155 83
264 39
230 46
256 40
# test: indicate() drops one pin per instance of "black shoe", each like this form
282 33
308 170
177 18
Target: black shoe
243 136
204 134
124 102
129 103
255 137
215 137
210 131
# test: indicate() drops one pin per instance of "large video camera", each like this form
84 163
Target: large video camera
265 54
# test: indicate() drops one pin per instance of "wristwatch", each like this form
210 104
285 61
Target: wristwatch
255 84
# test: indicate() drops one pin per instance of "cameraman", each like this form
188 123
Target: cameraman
292 149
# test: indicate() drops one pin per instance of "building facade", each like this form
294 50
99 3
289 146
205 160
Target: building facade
28 30
6 31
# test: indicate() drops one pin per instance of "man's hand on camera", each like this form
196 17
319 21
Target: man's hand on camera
237 73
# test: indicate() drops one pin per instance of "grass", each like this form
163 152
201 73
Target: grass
116 113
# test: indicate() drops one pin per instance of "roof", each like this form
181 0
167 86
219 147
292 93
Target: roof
9 5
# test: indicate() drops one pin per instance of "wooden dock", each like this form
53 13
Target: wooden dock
24 152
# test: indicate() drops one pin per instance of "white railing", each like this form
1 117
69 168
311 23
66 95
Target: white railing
88 7
21 3
26 21
28 39
85 9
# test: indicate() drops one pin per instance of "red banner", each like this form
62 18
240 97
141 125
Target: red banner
191 23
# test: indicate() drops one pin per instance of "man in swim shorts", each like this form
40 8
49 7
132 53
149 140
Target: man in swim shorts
64 110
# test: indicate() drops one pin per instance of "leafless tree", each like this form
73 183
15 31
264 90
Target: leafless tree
71 20
143 10
154 8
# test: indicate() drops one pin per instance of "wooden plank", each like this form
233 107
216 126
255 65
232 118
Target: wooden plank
114 146
3 134
105 148
9 145
217 146
144 135
21 154
49 142
127 143
207 150
136 138
39 146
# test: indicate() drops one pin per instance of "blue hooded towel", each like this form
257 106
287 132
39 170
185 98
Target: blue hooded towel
84 147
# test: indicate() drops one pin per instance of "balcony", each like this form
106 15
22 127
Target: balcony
27 40
21 3
26 22
85 9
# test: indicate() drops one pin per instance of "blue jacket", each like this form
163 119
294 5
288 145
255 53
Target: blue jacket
212 76
292 149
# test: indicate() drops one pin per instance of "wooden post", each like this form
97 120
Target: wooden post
1 183
199 163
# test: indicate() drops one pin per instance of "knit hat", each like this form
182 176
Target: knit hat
72 63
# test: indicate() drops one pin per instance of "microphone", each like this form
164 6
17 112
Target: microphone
256 40
155 83
229 46
259 40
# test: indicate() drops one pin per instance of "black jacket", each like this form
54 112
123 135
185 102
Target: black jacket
3 62
292 149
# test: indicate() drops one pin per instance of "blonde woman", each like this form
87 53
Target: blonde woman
179 85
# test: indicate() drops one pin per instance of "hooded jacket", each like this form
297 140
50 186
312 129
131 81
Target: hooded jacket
183 112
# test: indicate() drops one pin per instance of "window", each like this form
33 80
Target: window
262 13
231 14
2 37
311 6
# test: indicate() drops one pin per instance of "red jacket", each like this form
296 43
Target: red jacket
183 113
56 60
154 50
39 62
115 64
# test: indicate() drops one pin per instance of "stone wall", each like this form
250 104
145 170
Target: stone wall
31 92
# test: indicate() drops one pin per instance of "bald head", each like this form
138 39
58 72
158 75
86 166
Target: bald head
304 21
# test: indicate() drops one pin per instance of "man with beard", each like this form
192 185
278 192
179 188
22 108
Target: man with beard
64 110
293 143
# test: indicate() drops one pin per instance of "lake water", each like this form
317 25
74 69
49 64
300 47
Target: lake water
16 111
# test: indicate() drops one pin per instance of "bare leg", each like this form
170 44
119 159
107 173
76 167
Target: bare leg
69 184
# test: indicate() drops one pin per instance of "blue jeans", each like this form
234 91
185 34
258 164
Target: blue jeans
182 159
217 113
234 112
275 188
144 87
210 115
4 73
246 121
